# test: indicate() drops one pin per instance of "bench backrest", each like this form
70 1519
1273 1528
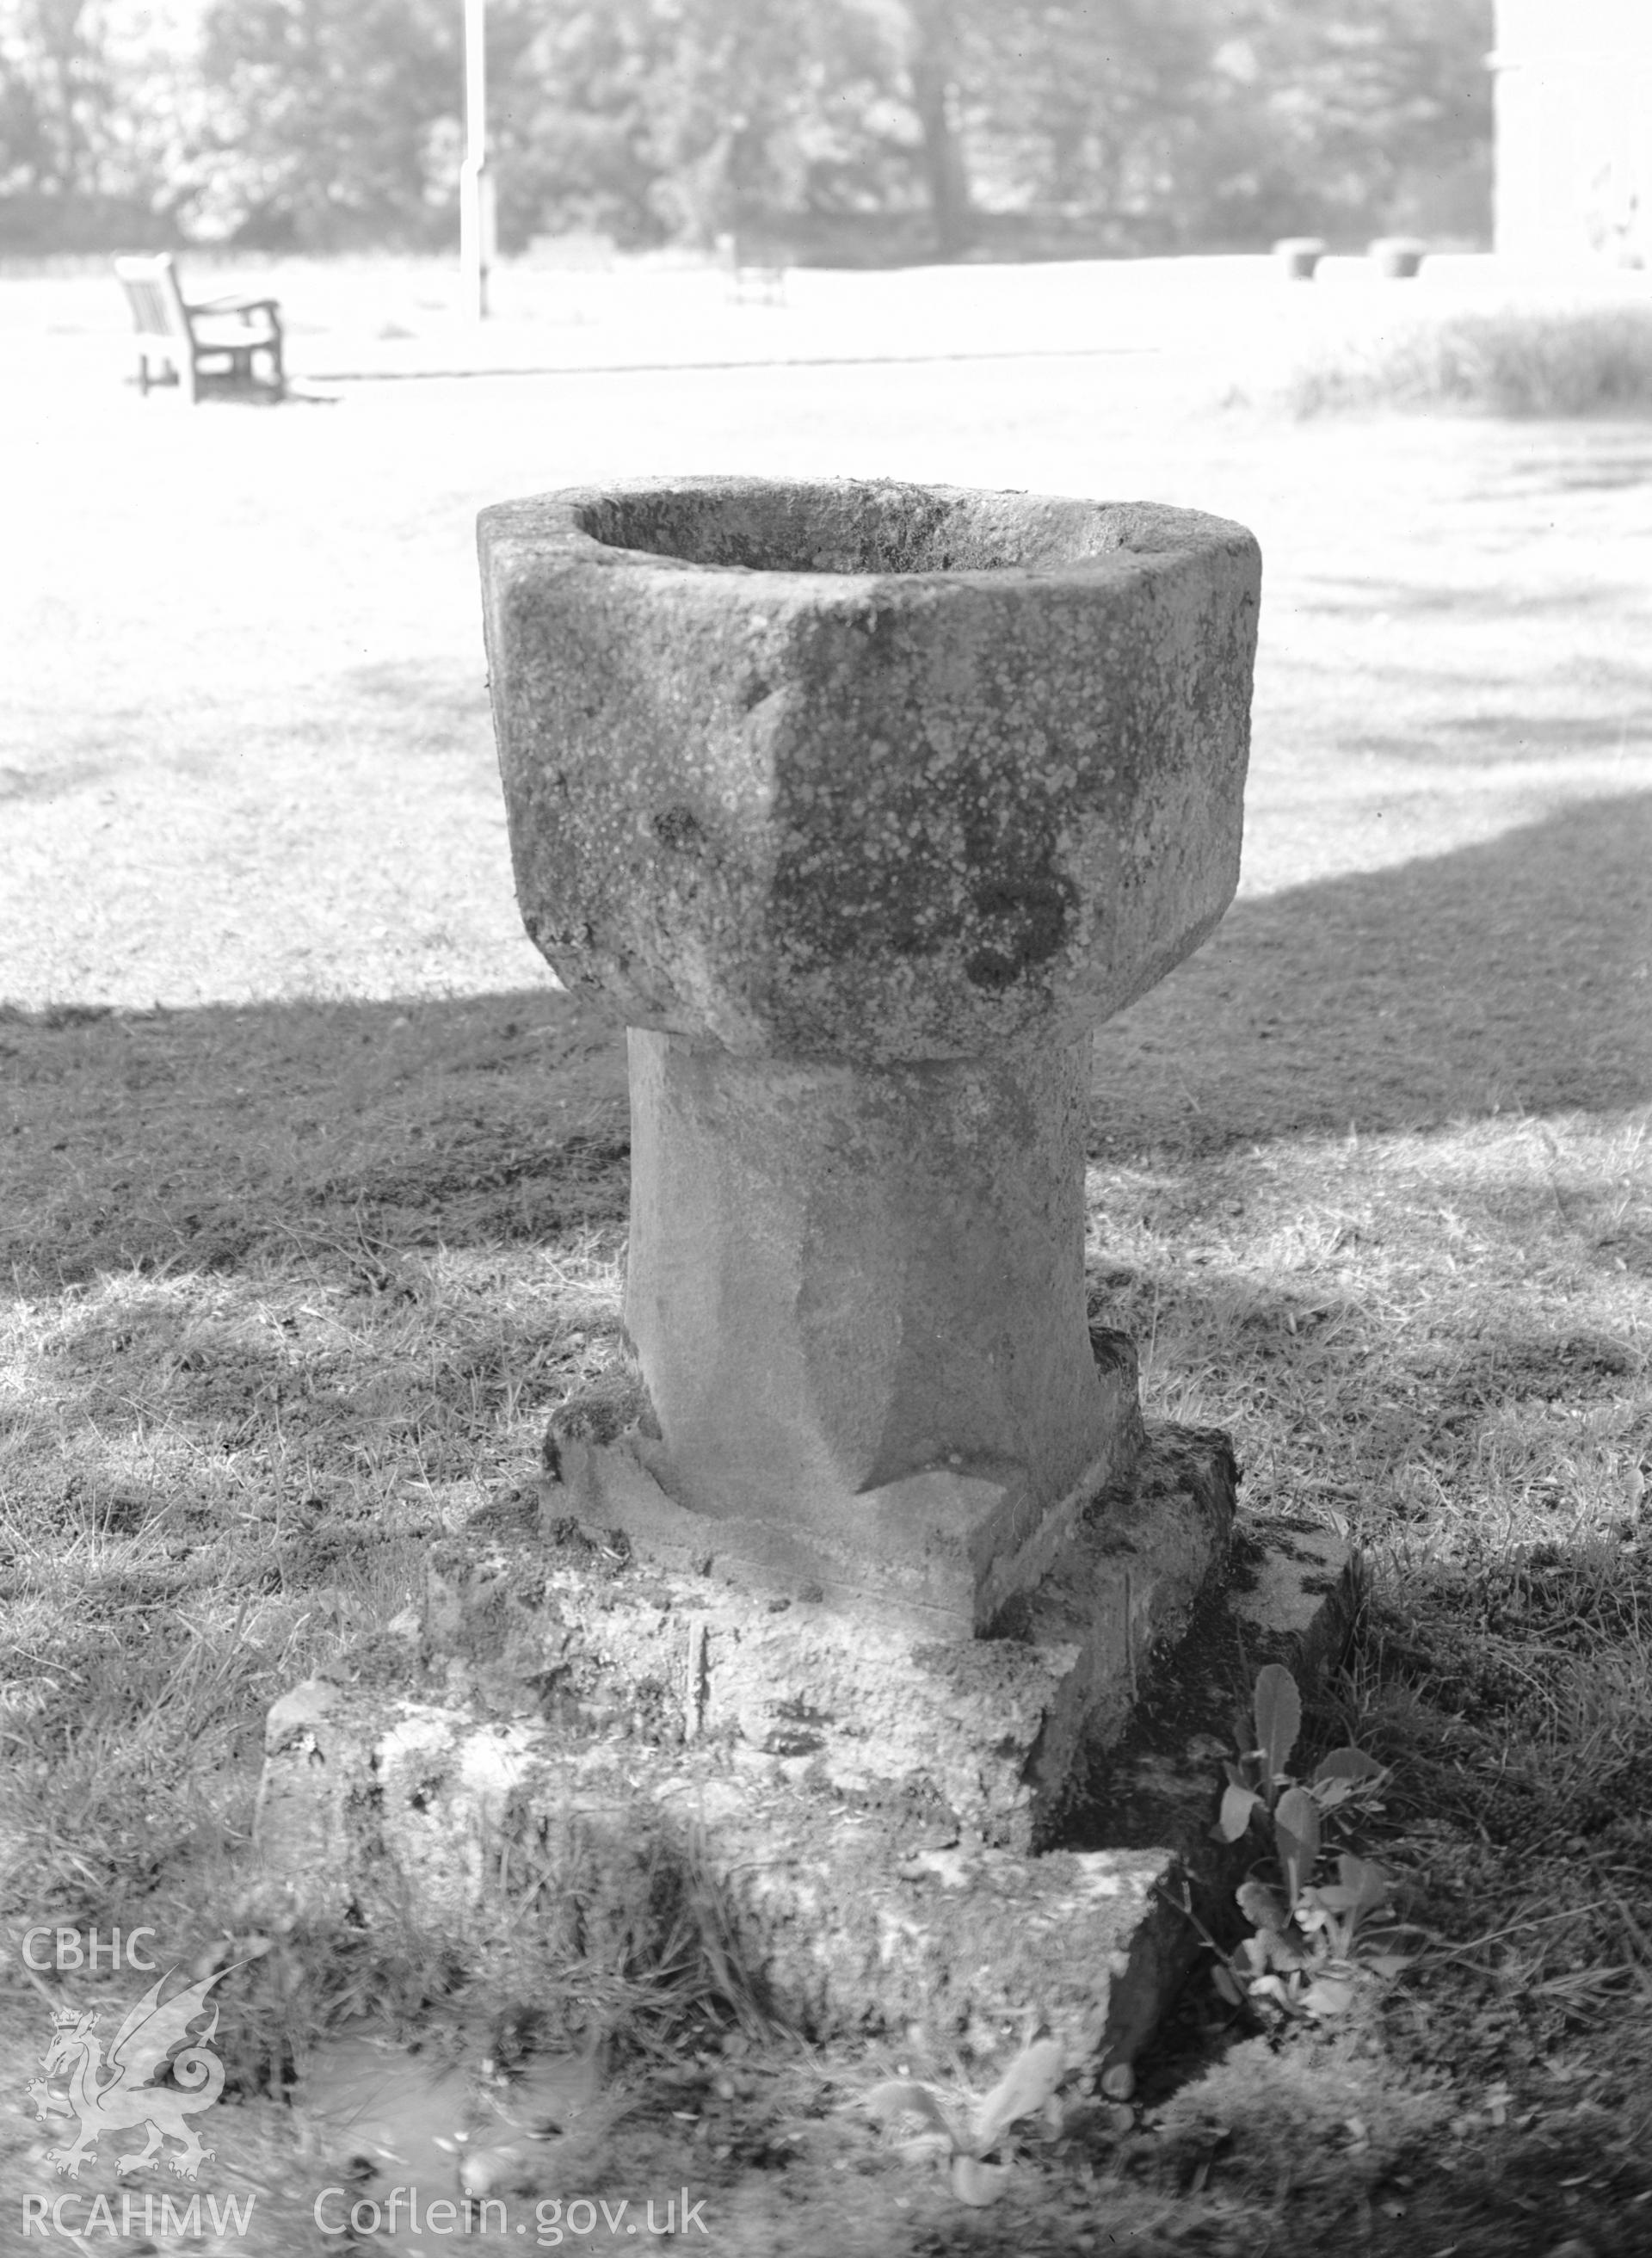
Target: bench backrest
155 296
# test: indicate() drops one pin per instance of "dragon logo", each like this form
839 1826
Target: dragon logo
109 2096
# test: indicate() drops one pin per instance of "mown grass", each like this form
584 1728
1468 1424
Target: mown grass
1538 361
294 1283
228 1456
232 1426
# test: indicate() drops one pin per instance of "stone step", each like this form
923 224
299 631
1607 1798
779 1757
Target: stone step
844 1813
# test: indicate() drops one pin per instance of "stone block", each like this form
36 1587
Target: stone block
867 771
861 1809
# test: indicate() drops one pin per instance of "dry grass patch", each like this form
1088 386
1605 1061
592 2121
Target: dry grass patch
1527 361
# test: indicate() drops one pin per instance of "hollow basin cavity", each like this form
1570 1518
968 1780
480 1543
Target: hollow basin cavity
853 526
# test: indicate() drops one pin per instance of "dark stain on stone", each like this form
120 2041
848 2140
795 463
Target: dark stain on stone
679 827
1026 922
991 969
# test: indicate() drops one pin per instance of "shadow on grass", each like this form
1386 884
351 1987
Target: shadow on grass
269 1475
1352 596
1595 456
1509 977
191 1139
1498 739
1504 978
51 782
1606 476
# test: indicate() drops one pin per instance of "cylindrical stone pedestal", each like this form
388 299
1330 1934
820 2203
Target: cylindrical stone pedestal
857 1296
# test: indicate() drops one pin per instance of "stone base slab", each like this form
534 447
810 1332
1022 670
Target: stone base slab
853 1808
1110 1582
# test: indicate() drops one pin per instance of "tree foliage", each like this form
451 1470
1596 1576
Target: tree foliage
658 118
1130 125
328 126
1099 110
99 103
1352 116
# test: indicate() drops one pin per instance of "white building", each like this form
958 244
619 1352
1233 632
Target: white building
1574 130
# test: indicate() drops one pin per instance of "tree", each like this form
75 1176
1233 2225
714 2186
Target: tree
57 95
337 120
1126 125
572 118
935 69
1338 114
1166 125
97 100
686 119
1090 109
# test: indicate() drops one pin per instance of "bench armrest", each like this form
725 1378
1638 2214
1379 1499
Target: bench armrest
233 305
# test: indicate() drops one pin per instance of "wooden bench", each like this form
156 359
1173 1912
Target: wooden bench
208 344
756 267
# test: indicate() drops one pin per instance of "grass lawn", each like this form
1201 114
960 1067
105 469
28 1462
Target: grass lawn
314 1203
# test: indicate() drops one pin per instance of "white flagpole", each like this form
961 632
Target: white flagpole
476 182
